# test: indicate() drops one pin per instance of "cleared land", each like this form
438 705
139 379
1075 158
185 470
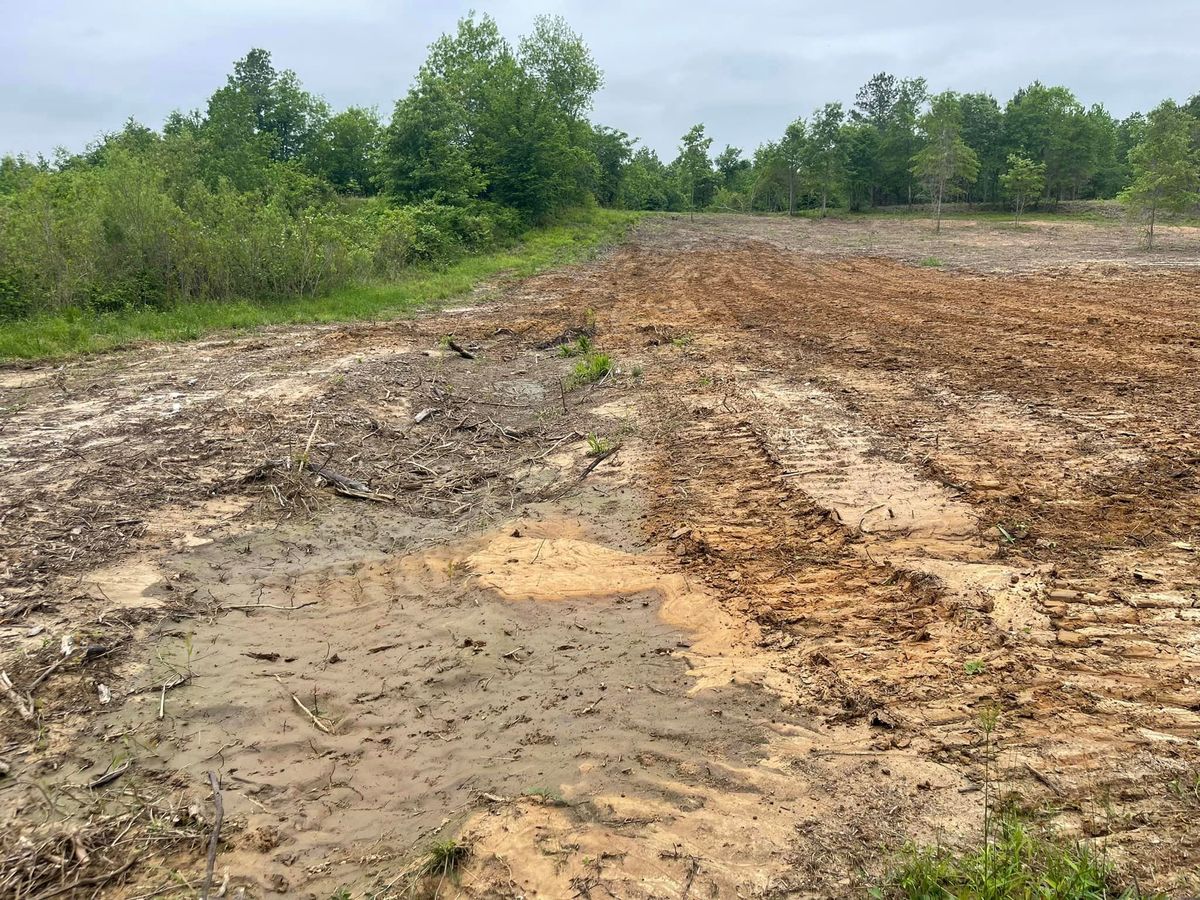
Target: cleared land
854 501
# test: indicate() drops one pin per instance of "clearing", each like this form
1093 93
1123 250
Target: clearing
721 623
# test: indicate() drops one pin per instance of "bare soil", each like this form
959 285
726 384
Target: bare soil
854 503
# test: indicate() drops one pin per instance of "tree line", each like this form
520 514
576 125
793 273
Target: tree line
899 144
268 192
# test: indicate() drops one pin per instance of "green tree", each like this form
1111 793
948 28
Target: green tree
613 150
945 163
983 132
730 164
790 154
646 183
825 156
861 141
346 151
1023 181
561 64
481 123
694 167
1166 167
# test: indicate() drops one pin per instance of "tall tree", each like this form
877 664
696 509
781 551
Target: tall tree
694 166
562 65
613 150
983 130
825 155
346 150
791 151
730 164
1166 167
945 163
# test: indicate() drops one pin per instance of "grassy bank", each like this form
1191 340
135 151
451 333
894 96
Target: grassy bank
75 331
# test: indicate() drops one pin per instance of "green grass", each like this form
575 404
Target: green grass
932 262
1018 863
591 368
444 859
75 331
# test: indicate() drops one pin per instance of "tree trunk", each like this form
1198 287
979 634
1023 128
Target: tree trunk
791 193
1150 240
938 229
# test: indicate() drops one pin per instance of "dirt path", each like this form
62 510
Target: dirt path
854 504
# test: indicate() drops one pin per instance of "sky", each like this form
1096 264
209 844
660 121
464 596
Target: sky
72 69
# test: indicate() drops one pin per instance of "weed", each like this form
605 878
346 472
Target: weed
598 446
591 368
636 371
581 347
682 340
932 262
444 860
1019 862
975 667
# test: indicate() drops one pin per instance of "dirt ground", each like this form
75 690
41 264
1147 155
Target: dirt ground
854 503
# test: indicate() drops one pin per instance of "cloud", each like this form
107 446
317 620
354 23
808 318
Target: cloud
72 69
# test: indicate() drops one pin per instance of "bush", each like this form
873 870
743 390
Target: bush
129 233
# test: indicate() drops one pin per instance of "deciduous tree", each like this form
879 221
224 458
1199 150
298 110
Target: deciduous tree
945 163
1166 167
1023 181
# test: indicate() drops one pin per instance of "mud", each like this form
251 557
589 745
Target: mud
855 504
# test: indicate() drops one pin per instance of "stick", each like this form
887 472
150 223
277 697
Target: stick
459 350
48 672
308 712
162 702
599 459
110 776
25 711
267 606
216 834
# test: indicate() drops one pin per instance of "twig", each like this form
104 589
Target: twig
110 776
599 459
267 606
47 672
93 881
459 350
216 835
316 720
25 711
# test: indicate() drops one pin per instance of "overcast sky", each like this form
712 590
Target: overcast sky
71 69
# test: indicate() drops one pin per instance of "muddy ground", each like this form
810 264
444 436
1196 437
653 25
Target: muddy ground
854 503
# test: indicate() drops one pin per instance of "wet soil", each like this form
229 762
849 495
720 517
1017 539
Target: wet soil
855 503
